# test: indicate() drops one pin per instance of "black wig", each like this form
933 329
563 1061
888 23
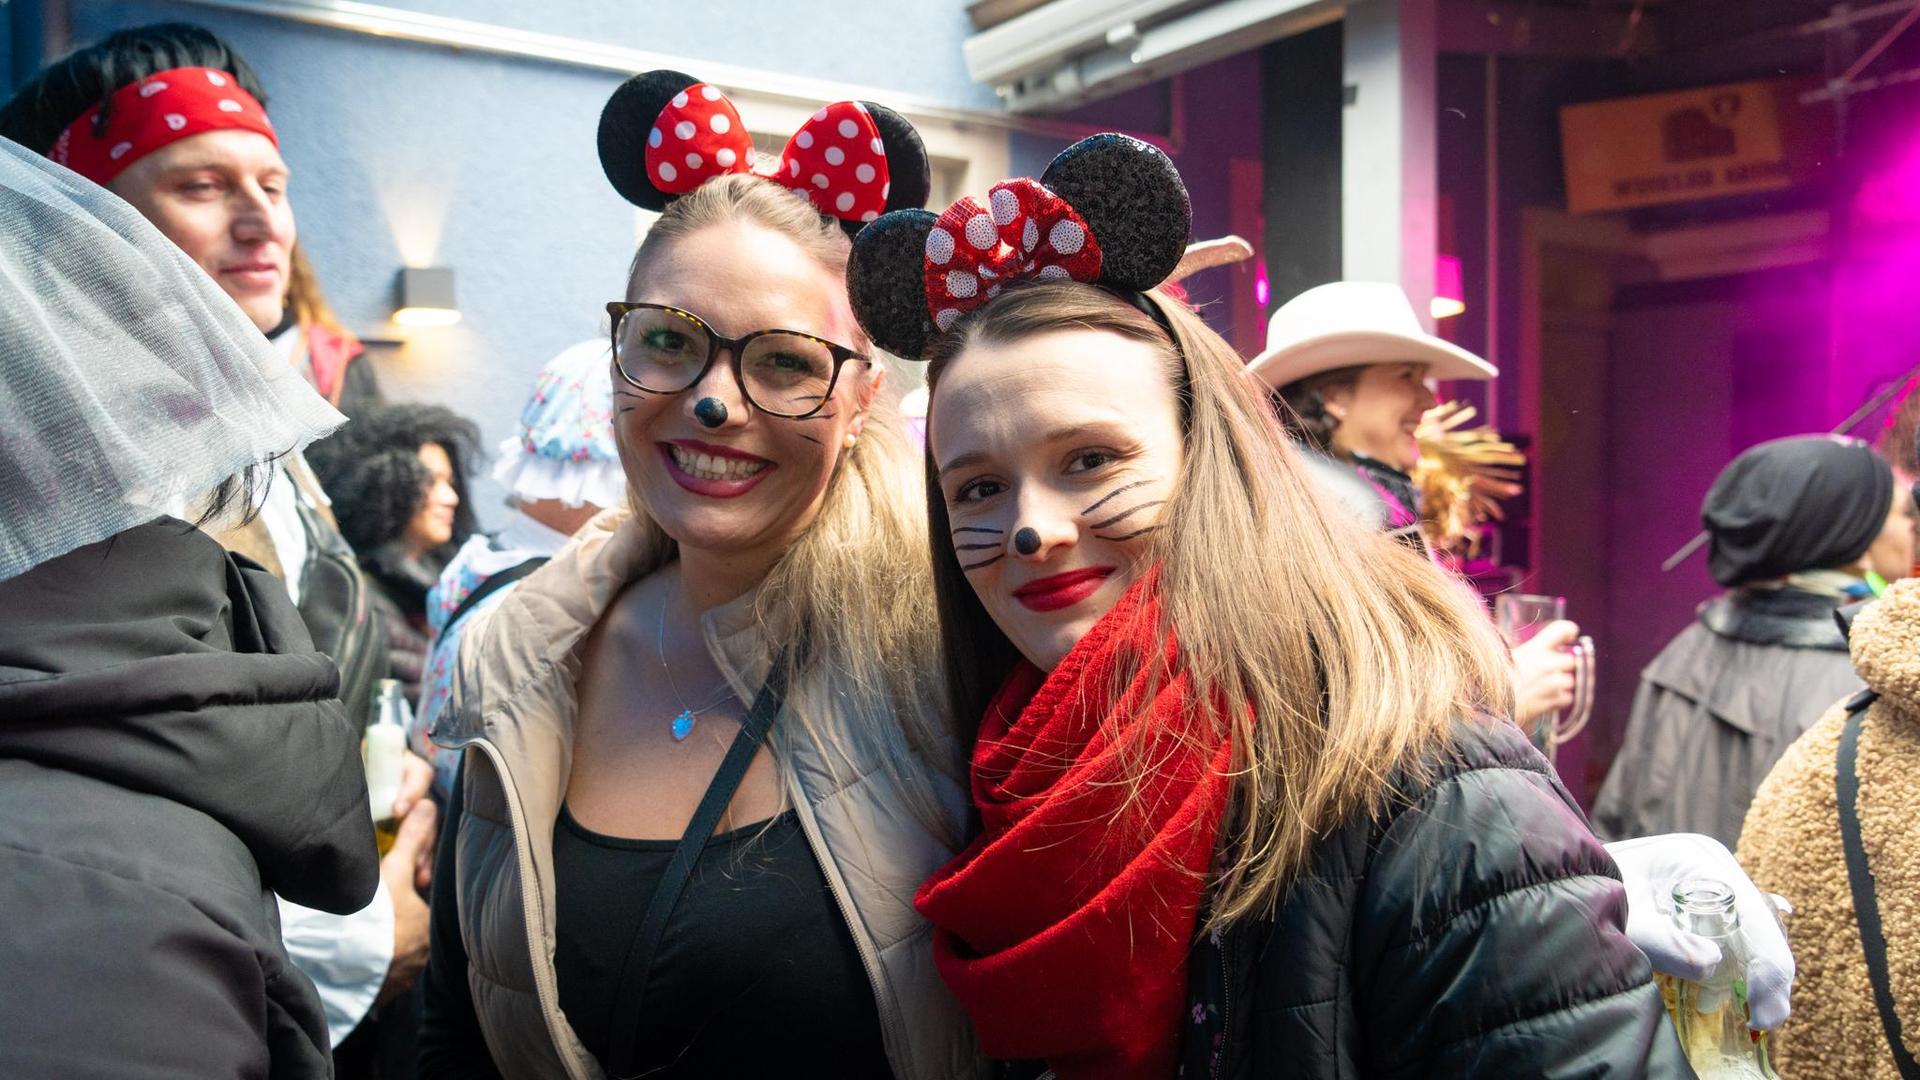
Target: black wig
371 470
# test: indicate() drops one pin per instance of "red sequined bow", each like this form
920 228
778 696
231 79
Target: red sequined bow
836 159
1029 234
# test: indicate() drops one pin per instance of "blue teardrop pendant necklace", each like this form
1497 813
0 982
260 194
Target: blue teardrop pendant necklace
688 716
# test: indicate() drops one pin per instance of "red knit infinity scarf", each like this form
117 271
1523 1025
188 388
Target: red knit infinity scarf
1064 928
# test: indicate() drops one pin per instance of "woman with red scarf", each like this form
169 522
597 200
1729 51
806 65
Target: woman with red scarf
1249 801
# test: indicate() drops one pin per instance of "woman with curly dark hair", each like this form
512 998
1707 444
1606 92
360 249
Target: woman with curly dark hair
398 476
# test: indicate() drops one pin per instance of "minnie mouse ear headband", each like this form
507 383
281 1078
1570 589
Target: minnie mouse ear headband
664 133
1110 210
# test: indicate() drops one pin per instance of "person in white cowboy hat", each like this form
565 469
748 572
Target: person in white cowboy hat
1348 364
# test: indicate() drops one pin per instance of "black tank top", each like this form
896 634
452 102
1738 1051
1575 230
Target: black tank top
757 974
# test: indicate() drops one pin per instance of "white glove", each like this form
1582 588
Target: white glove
1652 866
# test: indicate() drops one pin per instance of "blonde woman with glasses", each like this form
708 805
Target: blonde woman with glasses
703 765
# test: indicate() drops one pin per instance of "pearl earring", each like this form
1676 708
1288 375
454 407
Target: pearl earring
851 439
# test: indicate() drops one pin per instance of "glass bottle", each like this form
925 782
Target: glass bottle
1711 1015
382 749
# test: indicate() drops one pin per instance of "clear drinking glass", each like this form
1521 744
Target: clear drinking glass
1522 615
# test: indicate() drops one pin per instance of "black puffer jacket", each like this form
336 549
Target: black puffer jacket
1475 930
171 754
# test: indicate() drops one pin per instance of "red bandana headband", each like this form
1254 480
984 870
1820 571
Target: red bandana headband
837 158
161 109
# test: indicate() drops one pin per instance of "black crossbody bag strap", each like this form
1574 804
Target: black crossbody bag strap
1866 908
493 585
673 881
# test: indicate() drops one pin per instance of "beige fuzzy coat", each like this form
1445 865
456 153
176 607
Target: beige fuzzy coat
1791 845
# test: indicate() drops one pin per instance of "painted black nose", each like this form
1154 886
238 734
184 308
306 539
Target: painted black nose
1026 541
711 412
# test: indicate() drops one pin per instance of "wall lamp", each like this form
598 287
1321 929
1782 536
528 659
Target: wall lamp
423 296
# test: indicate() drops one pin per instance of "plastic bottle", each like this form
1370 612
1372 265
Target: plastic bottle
382 749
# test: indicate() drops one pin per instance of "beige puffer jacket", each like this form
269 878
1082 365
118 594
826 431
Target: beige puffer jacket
1791 844
512 712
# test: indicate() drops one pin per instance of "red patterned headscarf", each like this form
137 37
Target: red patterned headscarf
161 109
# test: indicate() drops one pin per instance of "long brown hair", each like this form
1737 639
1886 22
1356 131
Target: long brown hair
854 587
306 301
1341 659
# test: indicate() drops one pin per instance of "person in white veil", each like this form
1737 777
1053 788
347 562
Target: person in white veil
172 748
170 118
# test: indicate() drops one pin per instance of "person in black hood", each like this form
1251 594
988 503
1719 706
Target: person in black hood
1798 527
172 750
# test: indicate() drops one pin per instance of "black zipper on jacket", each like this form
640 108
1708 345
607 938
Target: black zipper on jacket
1228 939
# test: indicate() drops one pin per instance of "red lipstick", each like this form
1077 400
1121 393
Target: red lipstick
1062 590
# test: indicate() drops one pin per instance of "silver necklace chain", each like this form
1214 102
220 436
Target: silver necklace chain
682 722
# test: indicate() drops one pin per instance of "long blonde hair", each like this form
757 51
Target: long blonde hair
1340 658
855 587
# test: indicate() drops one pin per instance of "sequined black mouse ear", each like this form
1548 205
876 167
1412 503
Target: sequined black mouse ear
887 283
1133 200
909 174
625 124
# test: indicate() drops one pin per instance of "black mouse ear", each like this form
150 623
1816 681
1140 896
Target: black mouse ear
626 123
1131 196
909 176
887 282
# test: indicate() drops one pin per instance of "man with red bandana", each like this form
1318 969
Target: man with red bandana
170 119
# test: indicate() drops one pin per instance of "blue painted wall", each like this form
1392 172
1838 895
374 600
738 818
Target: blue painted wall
407 154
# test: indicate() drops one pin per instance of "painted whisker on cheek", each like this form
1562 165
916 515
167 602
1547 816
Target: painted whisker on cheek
630 392
969 567
980 529
810 439
1131 535
1125 514
1109 495
975 547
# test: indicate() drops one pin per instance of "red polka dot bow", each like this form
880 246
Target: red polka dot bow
837 158
1028 234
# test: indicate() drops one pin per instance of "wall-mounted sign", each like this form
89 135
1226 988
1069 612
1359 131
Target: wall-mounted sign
1690 144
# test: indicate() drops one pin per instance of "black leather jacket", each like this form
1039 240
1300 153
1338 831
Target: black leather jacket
1475 929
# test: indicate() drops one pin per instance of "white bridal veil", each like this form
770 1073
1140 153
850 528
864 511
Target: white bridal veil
130 385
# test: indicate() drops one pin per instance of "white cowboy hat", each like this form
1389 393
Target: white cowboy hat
1349 323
